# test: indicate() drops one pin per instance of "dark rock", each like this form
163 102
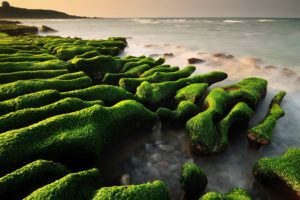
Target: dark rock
47 29
195 60
222 55
168 54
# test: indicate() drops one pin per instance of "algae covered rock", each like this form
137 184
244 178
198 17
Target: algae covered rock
81 135
283 171
177 118
74 186
262 133
156 190
203 129
192 180
157 93
22 182
160 68
193 92
131 84
234 194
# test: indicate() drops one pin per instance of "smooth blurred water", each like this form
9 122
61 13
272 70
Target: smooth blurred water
275 41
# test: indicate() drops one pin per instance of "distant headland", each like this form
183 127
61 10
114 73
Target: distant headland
8 11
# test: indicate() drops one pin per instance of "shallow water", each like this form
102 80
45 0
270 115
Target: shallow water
159 155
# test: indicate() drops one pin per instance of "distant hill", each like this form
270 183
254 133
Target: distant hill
8 11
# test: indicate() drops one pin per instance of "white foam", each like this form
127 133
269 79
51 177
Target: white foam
233 21
266 20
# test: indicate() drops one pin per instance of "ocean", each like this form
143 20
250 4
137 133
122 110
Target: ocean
241 47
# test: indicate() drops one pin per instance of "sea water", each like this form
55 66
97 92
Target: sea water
267 48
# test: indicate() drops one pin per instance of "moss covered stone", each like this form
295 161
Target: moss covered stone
157 93
193 92
83 134
234 194
15 89
160 68
113 78
131 84
131 63
262 133
21 57
203 128
6 67
75 186
178 117
103 64
26 117
156 190
27 75
283 171
192 180
22 182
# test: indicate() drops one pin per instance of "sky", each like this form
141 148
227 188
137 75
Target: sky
168 8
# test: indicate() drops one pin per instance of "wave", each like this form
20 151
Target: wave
145 21
266 20
233 21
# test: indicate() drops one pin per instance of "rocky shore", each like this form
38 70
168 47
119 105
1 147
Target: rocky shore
66 102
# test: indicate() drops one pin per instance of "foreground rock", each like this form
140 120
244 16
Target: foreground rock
208 134
47 29
282 171
262 133
192 180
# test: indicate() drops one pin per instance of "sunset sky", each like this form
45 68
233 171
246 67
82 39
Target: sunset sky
169 8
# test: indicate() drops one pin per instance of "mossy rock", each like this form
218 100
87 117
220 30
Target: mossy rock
18 88
158 93
282 171
262 133
203 129
131 84
192 180
178 117
156 190
84 134
22 182
75 186
234 194
193 92
160 68
26 117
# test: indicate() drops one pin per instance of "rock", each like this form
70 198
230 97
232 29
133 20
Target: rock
156 157
9 22
165 147
148 147
195 60
47 29
174 167
125 179
222 55
168 54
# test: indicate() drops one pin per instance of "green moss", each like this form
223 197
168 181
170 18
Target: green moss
234 194
21 57
131 84
107 93
103 64
89 54
83 134
107 43
26 117
160 68
177 118
192 180
15 89
26 75
70 76
69 52
262 133
137 62
157 93
22 182
33 100
6 67
283 171
193 92
76 186
113 78
203 130
239 116
156 190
